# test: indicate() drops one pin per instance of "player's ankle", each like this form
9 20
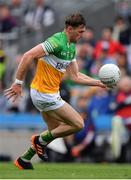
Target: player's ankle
45 138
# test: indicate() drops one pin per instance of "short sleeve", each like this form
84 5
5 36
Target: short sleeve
51 45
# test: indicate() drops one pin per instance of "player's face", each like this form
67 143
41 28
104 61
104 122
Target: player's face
76 33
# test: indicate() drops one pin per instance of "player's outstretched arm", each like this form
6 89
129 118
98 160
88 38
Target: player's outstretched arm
81 78
16 88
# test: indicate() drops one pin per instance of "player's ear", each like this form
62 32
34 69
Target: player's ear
69 28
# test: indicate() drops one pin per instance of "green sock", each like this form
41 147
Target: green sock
46 137
28 155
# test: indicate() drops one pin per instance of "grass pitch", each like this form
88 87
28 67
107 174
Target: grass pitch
67 171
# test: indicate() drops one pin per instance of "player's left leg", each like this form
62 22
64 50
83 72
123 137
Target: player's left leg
70 122
38 140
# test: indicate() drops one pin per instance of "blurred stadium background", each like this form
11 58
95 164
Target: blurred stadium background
107 114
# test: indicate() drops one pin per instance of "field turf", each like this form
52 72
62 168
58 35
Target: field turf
67 171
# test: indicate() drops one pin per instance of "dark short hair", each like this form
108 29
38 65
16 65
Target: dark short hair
75 20
109 28
119 18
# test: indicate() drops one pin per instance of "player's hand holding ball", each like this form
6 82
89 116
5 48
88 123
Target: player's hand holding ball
109 74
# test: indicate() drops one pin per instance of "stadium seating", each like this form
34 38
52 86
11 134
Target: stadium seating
21 121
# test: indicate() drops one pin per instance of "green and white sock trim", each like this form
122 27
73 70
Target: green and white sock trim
46 137
28 155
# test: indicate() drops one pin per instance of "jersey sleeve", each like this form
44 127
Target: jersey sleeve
51 45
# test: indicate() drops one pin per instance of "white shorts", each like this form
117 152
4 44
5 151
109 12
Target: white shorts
46 102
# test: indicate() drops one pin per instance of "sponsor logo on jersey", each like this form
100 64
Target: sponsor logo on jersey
62 65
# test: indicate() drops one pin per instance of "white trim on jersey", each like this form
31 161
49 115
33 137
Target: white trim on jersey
73 60
56 62
44 48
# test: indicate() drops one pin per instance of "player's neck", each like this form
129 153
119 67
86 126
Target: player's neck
67 36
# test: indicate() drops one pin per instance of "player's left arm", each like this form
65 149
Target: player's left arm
81 78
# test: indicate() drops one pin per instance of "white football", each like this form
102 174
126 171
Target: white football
109 74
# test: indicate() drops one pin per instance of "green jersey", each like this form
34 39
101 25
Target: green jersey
59 53
51 68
